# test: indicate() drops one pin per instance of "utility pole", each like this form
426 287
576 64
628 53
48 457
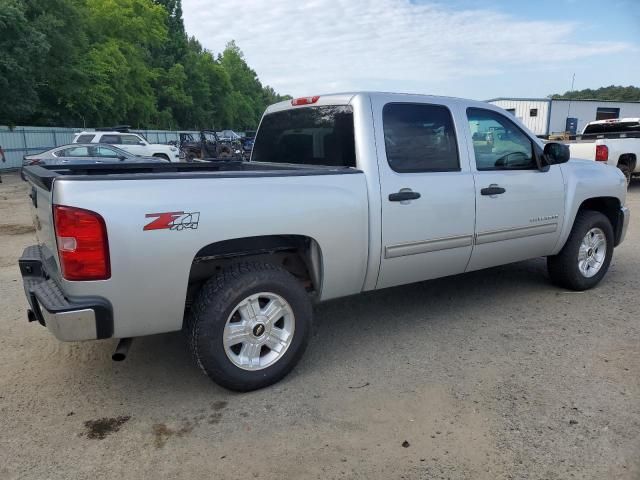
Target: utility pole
573 80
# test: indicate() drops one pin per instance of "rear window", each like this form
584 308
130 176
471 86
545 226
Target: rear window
612 127
309 135
85 139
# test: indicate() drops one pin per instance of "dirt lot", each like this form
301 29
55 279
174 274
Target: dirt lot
492 375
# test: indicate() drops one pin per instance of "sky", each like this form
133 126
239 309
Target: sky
463 48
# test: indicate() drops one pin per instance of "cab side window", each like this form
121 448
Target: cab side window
498 143
420 138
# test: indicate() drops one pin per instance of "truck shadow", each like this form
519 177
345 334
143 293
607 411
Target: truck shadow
346 330
344 327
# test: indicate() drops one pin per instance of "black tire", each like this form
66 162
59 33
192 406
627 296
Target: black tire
626 171
563 267
217 300
162 155
224 151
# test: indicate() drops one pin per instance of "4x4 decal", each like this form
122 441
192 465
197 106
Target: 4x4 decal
172 221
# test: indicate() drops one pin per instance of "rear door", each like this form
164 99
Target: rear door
519 209
427 191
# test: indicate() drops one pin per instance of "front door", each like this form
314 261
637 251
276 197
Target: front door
427 193
519 208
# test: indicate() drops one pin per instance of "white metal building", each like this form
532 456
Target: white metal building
544 116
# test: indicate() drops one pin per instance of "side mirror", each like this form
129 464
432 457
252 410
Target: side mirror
122 158
556 153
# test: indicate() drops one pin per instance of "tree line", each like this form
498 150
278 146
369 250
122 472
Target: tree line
612 92
106 62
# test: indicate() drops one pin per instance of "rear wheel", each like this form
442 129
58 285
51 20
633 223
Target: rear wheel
249 326
585 257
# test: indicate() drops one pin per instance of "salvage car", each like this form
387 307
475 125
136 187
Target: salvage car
344 193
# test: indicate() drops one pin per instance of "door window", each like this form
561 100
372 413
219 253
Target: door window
106 152
74 152
130 140
420 138
498 143
112 139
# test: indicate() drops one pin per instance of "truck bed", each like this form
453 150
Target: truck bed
43 175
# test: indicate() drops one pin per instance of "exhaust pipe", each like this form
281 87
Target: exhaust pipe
121 351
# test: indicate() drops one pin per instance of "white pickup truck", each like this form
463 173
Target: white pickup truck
130 142
344 193
615 142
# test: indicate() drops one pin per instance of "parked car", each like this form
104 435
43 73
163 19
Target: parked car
374 190
84 153
614 142
131 142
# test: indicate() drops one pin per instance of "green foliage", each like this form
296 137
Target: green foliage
612 92
21 48
101 62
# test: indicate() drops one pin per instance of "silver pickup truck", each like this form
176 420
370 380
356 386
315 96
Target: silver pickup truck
344 193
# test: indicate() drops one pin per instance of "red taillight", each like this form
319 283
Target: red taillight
83 247
305 100
602 153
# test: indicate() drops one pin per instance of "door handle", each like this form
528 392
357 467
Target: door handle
492 190
403 196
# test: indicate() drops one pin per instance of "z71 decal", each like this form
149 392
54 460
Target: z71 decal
172 221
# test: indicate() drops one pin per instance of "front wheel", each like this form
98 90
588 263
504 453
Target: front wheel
249 326
585 257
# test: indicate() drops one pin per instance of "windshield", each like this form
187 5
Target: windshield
309 136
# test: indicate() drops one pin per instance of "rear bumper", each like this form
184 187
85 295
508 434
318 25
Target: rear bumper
69 319
625 214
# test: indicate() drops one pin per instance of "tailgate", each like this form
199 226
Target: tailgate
586 150
42 214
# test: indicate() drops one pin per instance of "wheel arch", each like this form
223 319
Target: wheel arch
300 255
609 207
628 159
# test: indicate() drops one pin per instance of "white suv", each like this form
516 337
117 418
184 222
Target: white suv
131 142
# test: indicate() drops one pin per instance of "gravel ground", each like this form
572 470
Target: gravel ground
491 375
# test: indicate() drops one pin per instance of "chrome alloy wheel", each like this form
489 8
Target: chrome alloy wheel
259 331
592 252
